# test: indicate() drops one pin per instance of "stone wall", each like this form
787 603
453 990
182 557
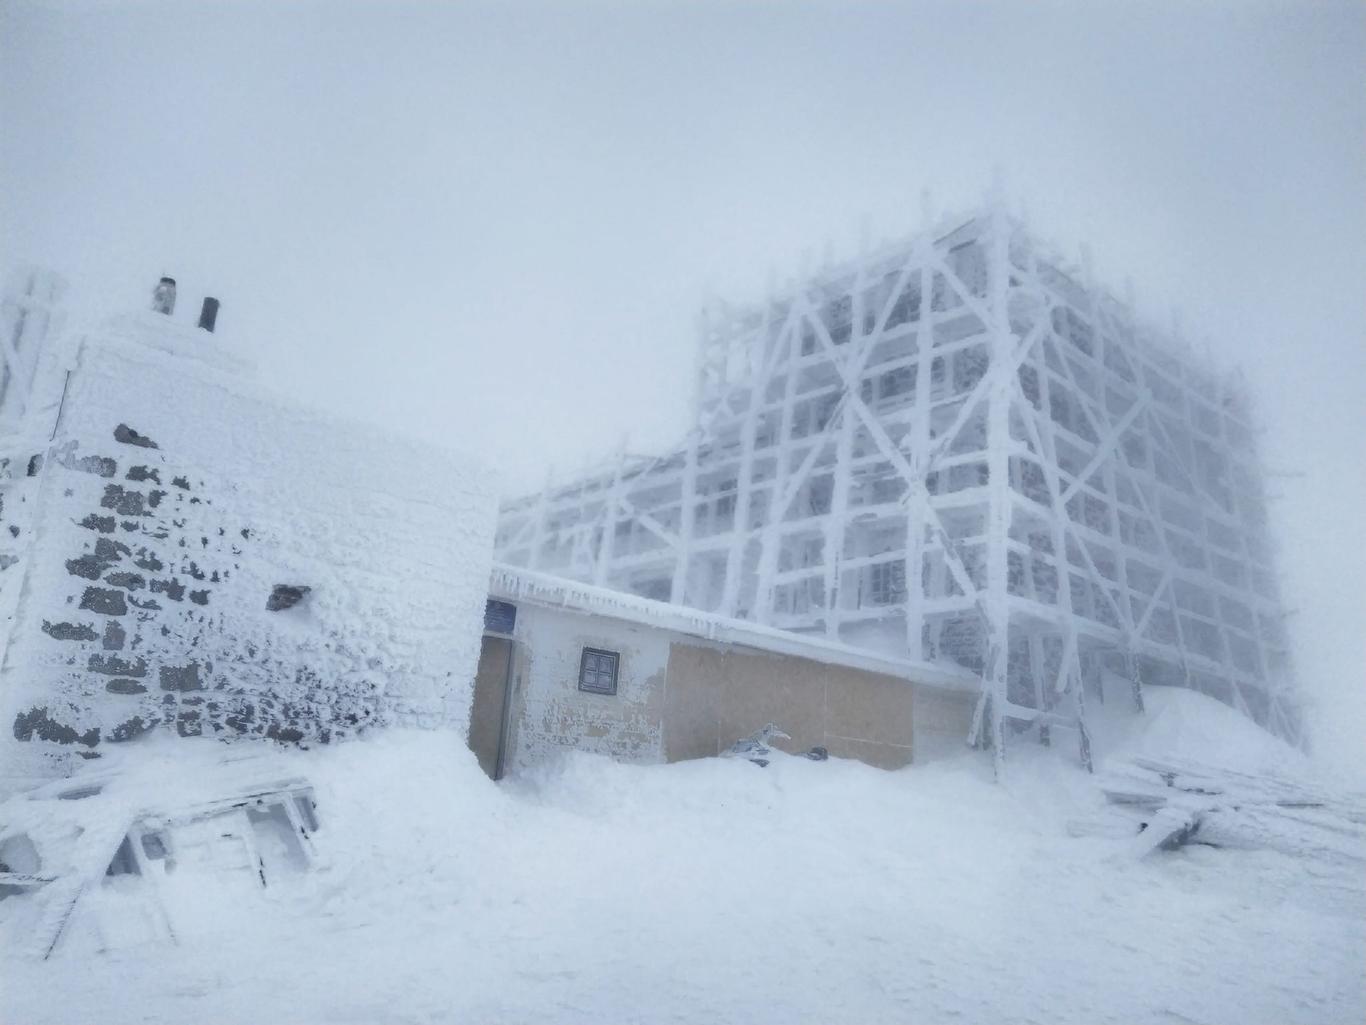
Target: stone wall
189 553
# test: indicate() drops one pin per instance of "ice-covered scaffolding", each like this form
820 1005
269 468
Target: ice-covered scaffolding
959 448
30 312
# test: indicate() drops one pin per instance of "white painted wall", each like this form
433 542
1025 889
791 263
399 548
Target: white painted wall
548 713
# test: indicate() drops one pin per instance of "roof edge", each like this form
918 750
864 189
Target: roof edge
514 582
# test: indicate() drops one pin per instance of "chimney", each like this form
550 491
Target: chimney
163 297
208 316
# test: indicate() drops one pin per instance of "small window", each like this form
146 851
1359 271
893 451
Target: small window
598 671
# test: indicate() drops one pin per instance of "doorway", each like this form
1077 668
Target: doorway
489 710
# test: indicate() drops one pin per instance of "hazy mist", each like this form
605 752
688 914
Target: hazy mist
492 226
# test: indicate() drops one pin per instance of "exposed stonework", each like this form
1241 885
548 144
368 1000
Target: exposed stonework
128 436
114 636
285 596
37 723
70 631
105 600
183 678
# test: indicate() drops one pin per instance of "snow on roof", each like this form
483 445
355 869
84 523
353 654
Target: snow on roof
513 582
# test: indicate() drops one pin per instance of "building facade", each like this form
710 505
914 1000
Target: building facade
567 665
182 551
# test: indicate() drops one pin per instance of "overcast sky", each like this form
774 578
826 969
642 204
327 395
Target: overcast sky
493 225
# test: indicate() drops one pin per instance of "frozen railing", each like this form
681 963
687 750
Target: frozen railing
30 313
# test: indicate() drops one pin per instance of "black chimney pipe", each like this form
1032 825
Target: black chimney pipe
208 316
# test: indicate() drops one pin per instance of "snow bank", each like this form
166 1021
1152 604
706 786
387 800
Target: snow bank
1182 725
717 891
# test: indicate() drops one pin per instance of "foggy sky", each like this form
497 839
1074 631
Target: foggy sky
492 226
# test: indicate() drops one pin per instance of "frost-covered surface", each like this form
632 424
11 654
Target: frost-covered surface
31 311
548 589
716 891
548 712
158 498
1186 727
955 448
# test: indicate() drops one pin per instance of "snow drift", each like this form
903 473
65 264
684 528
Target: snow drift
716 890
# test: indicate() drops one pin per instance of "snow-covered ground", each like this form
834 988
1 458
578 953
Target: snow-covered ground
716 891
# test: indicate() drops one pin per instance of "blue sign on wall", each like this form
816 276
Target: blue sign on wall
499 616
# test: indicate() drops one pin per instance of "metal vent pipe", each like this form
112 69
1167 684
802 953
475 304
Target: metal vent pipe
208 315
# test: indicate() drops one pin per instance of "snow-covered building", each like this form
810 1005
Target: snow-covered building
569 665
955 449
182 550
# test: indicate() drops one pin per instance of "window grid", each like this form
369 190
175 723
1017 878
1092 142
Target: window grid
598 671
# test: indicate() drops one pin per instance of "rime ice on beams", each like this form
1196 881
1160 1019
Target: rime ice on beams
956 448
